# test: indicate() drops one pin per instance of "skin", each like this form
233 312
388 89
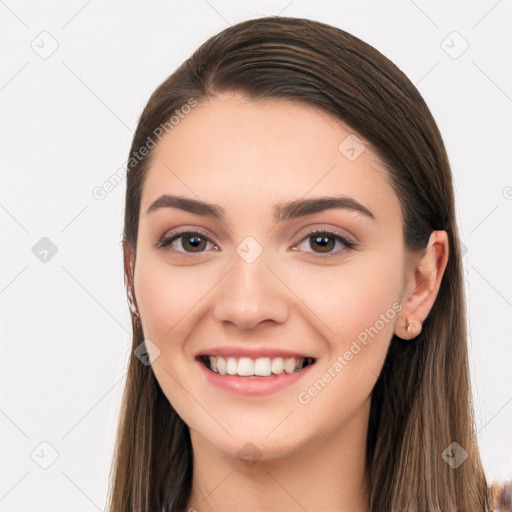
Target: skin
247 156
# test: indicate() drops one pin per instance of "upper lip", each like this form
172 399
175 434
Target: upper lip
253 353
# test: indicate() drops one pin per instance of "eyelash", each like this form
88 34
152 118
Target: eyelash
166 242
317 232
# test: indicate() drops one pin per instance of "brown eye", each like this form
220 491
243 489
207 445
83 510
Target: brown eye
197 243
185 242
324 242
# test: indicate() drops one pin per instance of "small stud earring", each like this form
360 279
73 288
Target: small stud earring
414 329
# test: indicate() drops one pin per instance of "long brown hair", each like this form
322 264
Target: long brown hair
421 402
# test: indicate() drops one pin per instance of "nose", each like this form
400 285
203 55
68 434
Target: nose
251 294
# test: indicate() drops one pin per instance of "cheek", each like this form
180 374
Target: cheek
165 298
360 310
351 298
166 301
358 305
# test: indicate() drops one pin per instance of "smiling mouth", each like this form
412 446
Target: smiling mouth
258 367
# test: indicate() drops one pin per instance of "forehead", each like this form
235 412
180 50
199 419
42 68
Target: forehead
232 148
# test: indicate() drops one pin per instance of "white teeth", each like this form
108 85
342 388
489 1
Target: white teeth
289 364
221 365
262 366
231 366
245 367
277 365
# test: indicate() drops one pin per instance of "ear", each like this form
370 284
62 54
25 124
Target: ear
422 282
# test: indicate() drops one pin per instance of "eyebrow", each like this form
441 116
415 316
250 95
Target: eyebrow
282 211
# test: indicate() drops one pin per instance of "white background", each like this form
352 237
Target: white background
66 127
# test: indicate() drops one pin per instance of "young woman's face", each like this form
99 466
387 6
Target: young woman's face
250 280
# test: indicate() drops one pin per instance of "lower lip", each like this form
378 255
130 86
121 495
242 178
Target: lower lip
252 386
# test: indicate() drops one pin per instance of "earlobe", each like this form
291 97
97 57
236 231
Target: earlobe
423 280
414 329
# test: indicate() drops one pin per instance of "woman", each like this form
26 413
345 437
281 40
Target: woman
294 275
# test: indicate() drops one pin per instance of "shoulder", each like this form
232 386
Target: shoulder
502 492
